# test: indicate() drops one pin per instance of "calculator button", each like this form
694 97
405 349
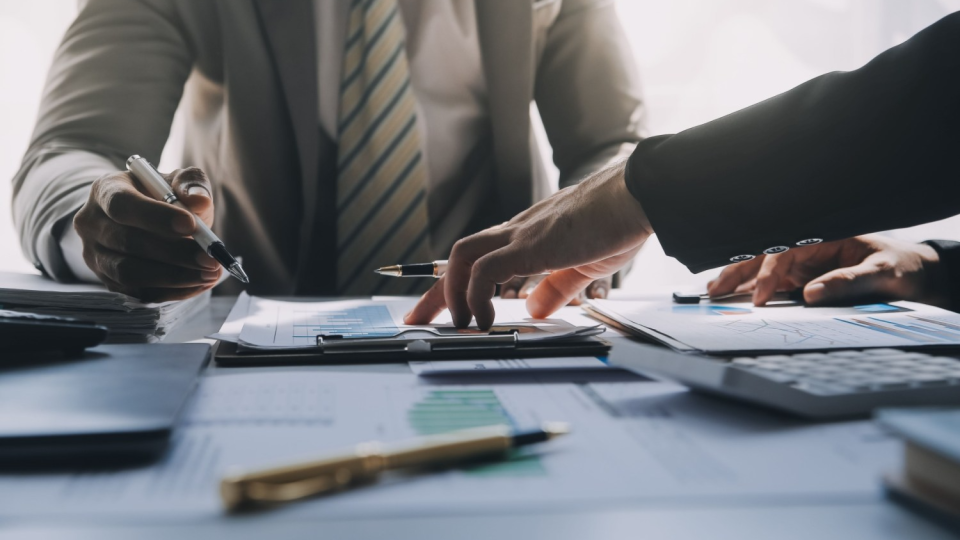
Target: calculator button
883 352
924 379
811 356
822 389
944 361
775 376
846 354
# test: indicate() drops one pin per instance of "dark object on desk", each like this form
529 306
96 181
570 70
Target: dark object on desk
30 333
929 481
228 355
795 295
834 384
117 404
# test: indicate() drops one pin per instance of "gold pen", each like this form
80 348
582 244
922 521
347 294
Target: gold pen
367 461
435 269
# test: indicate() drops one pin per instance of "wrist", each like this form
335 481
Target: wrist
631 210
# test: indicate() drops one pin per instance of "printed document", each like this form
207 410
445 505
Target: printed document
741 327
277 324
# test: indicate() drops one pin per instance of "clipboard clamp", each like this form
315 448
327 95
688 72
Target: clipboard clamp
334 344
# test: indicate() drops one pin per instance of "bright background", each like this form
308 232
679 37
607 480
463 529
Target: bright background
699 59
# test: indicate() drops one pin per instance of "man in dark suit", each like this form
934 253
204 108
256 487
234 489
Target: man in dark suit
839 156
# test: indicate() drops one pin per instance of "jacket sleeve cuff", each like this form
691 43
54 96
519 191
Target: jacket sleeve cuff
949 253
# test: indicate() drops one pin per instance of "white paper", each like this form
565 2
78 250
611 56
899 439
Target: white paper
632 443
276 324
128 319
508 365
742 327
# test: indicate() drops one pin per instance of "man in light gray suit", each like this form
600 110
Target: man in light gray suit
330 136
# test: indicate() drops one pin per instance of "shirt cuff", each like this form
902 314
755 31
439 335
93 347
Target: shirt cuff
72 249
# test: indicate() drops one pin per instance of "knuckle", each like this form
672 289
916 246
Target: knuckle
98 185
124 270
121 240
82 219
117 204
191 175
459 249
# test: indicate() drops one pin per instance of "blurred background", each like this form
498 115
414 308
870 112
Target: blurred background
699 59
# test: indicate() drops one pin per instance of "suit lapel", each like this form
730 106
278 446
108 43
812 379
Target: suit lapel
505 28
290 29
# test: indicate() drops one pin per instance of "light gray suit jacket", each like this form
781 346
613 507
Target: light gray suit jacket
245 72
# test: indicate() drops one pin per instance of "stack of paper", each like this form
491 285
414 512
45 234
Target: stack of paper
129 320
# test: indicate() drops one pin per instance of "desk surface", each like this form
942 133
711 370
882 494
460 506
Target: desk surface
852 519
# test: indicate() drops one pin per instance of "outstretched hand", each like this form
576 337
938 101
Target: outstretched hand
580 234
842 271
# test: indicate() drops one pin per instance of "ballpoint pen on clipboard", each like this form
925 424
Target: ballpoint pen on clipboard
367 462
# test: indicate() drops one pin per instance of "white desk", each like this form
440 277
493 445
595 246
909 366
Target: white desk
853 519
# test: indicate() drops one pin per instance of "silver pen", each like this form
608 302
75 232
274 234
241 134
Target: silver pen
159 189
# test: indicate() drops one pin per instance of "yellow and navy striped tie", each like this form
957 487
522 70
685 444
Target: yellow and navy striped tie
382 177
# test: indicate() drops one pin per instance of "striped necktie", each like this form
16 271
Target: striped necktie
382 177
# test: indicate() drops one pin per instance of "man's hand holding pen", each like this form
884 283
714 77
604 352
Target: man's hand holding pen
142 247
580 234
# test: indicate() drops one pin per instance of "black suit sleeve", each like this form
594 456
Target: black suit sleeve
846 153
949 253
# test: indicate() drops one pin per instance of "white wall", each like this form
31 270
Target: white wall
699 59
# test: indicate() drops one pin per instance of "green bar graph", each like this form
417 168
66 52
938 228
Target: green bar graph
448 410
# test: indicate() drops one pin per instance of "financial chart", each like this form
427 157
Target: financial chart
898 330
355 322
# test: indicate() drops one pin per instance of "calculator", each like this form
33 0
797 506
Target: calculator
846 383
29 333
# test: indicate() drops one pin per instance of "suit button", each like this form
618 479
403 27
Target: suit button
775 249
741 258
809 241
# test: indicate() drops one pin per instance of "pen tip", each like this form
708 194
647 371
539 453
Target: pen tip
555 429
237 271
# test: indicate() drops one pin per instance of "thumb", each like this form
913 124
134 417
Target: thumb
194 190
844 284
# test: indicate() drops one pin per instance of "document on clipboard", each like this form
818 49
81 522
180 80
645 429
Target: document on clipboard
374 328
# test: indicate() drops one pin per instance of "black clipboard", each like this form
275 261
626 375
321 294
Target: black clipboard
229 354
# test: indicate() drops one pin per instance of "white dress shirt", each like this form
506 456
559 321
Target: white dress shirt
443 51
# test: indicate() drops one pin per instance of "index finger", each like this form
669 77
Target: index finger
734 275
460 266
121 200
429 306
